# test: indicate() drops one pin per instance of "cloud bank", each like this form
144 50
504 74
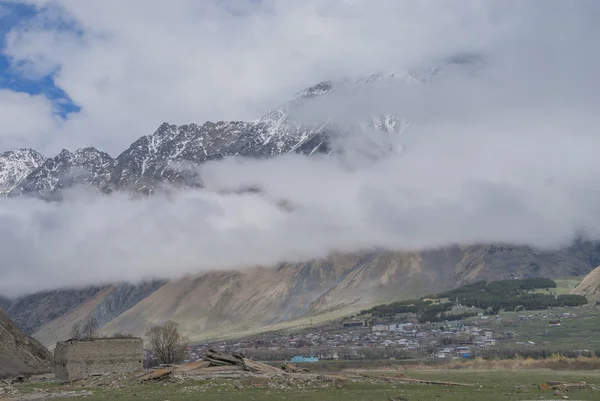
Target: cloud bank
499 151
131 66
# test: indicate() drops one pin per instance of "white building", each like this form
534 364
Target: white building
380 327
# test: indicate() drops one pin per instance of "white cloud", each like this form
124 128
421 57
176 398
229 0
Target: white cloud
25 119
135 66
451 186
505 153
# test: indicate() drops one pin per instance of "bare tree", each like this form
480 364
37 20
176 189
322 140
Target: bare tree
89 328
76 331
167 343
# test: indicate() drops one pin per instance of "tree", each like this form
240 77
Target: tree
90 325
167 343
76 331
85 329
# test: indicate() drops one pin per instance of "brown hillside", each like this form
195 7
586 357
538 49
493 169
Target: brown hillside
260 299
20 353
590 285
233 303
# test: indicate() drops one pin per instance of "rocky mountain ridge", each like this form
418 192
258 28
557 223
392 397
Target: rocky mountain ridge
168 155
15 166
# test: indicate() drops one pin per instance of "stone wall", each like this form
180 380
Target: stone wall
75 359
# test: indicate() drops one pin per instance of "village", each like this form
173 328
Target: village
355 339
303 360
393 341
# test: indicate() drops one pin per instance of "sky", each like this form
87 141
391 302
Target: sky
505 152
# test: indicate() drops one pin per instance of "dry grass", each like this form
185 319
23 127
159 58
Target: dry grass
556 362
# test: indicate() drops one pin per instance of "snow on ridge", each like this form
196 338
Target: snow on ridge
15 166
155 159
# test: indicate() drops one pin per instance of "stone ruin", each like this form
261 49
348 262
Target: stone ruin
77 359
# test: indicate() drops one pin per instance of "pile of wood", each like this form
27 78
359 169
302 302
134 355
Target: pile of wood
216 358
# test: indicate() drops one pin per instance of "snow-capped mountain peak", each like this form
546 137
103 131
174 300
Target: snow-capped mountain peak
168 155
87 166
15 166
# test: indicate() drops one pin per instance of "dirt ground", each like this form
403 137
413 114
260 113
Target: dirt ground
199 381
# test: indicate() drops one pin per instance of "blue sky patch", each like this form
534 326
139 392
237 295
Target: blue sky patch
11 16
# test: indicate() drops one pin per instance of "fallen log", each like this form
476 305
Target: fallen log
258 367
418 381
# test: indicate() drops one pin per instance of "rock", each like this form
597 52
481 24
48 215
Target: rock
521 387
569 386
254 382
338 380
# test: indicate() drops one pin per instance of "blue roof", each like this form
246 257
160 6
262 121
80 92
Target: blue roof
300 358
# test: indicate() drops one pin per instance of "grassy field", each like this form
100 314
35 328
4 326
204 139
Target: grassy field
484 385
563 285
580 332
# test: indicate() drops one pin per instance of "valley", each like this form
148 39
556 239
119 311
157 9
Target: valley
249 299
387 200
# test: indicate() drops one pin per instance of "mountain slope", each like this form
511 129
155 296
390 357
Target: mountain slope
590 285
253 300
15 166
264 298
104 305
20 353
256 299
33 311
